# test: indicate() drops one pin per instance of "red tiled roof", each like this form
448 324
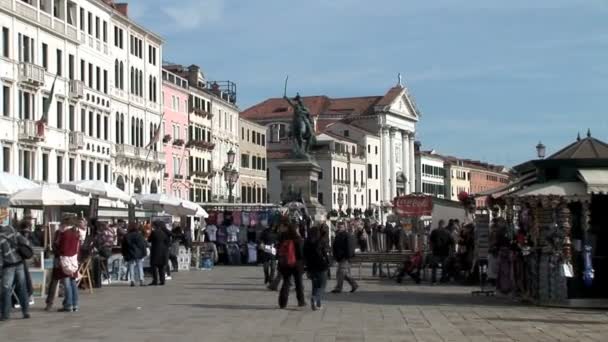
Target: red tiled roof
390 96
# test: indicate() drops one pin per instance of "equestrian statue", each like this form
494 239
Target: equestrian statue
302 129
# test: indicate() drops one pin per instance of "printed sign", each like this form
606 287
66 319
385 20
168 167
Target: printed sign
412 205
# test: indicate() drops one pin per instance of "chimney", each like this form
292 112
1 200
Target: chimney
193 71
123 8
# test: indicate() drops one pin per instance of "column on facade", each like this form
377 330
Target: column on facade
412 172
393 178
385 159
405 152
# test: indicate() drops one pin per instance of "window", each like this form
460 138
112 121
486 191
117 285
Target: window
369 171
6 98
59 169
71 67
82 19
83 170
59 114
98 171
82 70
263 139
106 173
59 62
71 117
91 170
71 169
98 78
90 17
369 148
97 27
90 124
377 197
83 119
346 133
45 167
105 128
5 42
26 105
90 75
376 171
105 81
6 159
376 148
26 48
45 56
245 160
105 31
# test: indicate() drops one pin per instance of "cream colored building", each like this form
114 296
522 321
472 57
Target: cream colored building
458 179
253 162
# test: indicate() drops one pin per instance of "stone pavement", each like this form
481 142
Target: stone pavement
231 304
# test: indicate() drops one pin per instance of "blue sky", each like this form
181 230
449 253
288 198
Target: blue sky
491 77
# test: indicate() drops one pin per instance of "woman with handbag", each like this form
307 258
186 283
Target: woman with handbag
69 246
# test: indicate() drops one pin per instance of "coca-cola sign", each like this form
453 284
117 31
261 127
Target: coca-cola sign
412 205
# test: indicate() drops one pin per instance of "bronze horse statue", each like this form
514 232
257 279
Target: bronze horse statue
302 130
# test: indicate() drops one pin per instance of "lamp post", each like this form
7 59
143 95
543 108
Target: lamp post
540 150
231 175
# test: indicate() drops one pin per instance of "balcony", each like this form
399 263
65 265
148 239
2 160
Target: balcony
200 112
76 89
31 74
139 153
201 144
31 131
202 174
76 141
178 142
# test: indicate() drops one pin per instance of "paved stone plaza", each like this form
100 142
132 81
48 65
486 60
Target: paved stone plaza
231 304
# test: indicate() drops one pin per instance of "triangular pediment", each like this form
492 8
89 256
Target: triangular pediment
402 105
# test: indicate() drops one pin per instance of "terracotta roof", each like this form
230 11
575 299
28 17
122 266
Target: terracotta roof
320 106
391 95
588 148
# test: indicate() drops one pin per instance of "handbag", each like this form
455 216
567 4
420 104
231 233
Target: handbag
69 264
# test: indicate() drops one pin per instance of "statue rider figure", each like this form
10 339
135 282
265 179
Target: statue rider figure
302 128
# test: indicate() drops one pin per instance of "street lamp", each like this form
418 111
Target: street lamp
231 175
540 150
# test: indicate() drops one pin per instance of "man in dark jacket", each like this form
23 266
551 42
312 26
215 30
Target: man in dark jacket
442 243
134 252
13 271
159 252
268 241
291 250
344 250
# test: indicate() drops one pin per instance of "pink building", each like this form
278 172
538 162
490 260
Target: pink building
174 134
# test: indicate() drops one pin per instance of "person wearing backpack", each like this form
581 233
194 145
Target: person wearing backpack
13 253
291 265
343 250
316 255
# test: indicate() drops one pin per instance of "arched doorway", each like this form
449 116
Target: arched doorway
137 186
153 187
120 183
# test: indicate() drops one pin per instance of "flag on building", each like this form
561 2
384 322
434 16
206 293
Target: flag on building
156 135
47 105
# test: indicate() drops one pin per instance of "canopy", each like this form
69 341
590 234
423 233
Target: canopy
555 188
45 196
98 188
10 183
596 180
190 208
159 202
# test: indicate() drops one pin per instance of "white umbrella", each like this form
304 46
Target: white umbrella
98 188
159 202
192 209
10 183
44 196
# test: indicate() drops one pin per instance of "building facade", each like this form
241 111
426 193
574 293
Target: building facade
213 132
70 44
485 178
253 178
174 133
383 126
430 174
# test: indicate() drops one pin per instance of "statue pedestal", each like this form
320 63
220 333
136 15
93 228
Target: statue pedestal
302 176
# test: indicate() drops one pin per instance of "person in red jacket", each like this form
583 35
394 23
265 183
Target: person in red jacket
68 248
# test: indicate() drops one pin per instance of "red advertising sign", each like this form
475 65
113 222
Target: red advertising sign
413 205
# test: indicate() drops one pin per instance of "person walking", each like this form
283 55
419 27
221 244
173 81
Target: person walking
12 268
68 248
291 264
316 256
343 250
159 252
134 252
54 284
441 242
268 241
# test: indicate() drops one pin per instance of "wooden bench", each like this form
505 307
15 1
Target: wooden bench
387 258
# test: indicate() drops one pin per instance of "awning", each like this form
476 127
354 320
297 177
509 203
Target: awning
565 189
596 180
505 189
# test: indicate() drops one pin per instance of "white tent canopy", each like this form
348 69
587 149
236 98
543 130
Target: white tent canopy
193 209
596 180
45 196
10 183
171 205
98 188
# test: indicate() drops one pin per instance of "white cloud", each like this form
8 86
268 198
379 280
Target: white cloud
191 15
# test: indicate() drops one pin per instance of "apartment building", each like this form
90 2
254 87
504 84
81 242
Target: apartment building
253 177
430 174
69 44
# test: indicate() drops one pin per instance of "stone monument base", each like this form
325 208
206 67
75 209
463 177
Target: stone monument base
300 181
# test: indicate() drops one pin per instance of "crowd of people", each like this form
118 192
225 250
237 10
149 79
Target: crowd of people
75 241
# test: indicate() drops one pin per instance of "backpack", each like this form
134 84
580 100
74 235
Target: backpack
287 254
23 250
